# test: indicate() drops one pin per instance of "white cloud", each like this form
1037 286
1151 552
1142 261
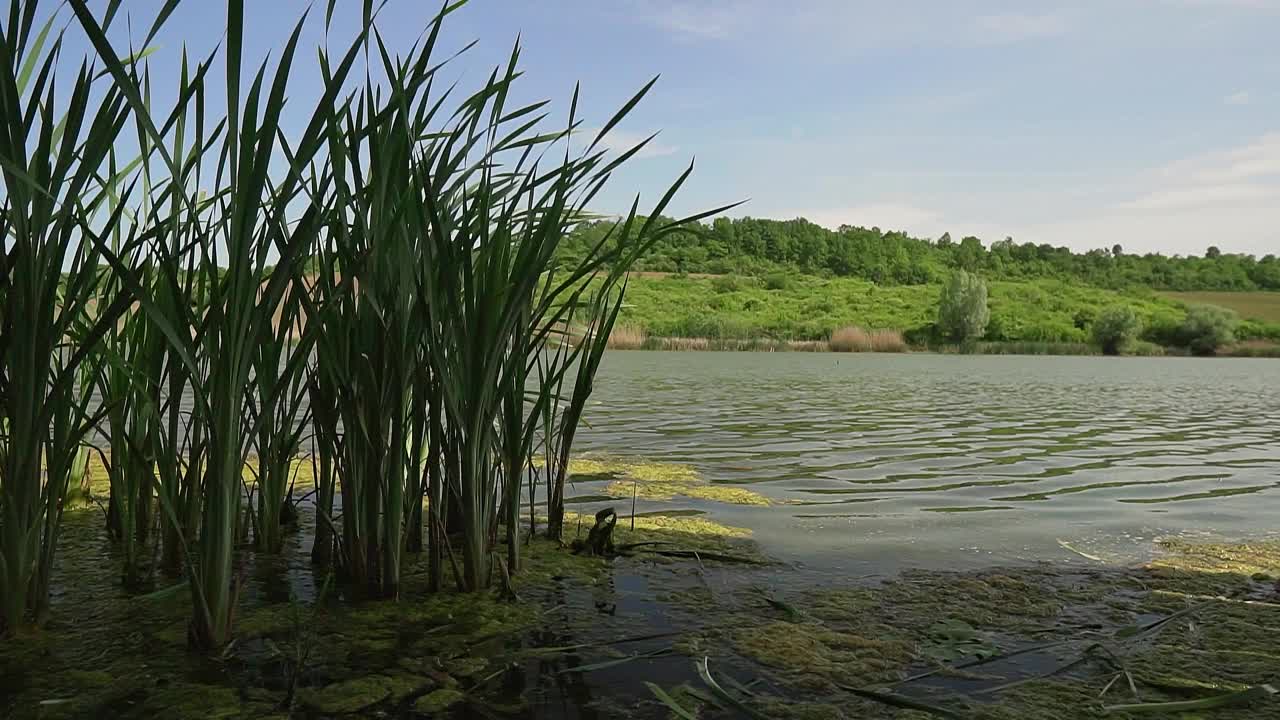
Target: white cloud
1237 98
1228 197
1211 196
622 140
1245 4
826 27
1252 161
1018 27
701 19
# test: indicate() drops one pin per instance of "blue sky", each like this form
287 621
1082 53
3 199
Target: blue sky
1150 123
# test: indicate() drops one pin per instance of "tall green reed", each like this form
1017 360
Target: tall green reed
419 246
239 225
52 314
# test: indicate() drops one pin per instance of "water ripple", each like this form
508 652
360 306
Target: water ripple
932 445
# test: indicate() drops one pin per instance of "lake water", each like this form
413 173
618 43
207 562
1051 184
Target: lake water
887 461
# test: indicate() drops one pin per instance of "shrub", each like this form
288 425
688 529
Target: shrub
997 329
922 335
777 281
725 283
855 339
1116 329
1255 348
1143 348
1033 347
1164 328
962 310
1084 317
1050 330
720 266
1207 328
1258 330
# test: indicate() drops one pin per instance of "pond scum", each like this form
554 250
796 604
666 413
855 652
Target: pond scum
286 421
631 635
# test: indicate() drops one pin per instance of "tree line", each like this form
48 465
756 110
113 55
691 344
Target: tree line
758 246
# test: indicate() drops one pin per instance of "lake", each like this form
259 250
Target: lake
944 461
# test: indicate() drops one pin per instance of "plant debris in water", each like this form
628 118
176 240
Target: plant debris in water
1189 635
647 480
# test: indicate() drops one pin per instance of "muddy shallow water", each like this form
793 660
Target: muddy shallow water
891 461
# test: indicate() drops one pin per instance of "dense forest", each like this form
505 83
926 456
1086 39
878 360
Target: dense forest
756 246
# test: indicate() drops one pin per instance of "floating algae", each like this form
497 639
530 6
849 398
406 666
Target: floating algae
1065 639
648 480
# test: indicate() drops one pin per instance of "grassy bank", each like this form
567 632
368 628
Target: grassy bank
810 313
1262 306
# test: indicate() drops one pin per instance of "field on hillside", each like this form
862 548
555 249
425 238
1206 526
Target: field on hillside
809 308
1250 305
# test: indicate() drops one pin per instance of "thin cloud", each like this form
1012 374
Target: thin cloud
623 140
1211 196
1238 98
701 19
1257 159
1019 27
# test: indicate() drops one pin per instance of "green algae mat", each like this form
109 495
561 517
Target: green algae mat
711 630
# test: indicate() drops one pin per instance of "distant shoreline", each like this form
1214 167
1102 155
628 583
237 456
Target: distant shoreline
703 344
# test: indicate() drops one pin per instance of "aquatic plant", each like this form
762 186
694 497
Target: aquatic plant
855 339
627 336
394 266
53 308
276 406
236 228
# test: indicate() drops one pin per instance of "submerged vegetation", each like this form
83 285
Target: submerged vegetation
629 479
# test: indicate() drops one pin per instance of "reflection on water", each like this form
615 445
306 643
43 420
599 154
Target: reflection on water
895 460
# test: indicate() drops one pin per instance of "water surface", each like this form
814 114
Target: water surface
887 461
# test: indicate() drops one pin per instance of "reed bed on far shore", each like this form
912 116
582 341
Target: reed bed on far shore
627 337
856 339
731 344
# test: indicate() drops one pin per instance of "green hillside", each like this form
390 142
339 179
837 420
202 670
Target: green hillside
1261 306
807 307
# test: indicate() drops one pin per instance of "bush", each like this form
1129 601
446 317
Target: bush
1207 328
1258 330
923 335
1255 348
1051 330
1164 328
777 281
725 283
1084 318
962 310
1145 349
1116 329
720 266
